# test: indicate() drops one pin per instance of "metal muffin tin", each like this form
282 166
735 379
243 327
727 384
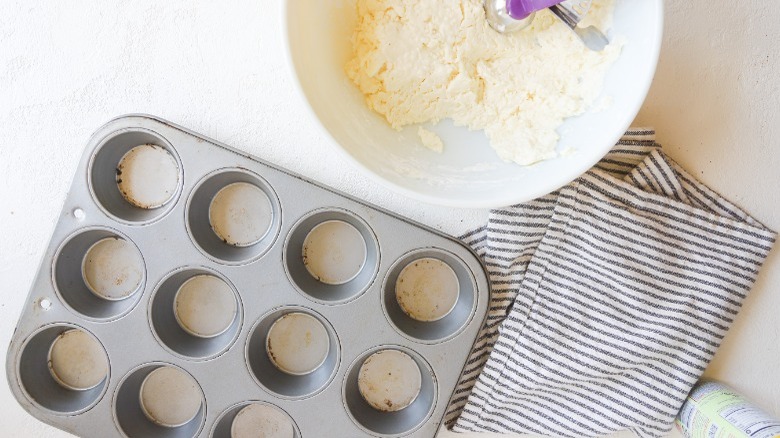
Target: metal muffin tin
269 279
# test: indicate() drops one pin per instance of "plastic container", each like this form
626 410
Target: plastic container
713 410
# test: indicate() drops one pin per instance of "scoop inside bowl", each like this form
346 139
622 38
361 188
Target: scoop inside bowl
468 173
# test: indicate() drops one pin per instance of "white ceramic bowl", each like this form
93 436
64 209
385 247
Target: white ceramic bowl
468 173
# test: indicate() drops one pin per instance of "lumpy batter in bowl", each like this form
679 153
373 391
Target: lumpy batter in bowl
421 61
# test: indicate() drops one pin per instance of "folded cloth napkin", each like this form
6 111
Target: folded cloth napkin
610 297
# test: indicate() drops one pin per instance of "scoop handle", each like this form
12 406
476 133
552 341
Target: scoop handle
520 9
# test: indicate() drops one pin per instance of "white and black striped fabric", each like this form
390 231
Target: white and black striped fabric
610 297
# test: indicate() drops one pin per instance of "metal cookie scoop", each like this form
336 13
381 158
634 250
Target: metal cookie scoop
512 15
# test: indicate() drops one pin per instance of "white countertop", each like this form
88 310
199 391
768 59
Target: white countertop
219 69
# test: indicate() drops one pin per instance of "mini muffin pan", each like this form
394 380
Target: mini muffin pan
192 290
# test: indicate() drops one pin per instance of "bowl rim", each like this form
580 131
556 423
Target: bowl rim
503 199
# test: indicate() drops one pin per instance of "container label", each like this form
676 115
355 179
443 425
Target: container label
715 411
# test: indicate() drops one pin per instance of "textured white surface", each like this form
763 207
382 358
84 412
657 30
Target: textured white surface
219 69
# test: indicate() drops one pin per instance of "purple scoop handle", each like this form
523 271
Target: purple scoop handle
520 9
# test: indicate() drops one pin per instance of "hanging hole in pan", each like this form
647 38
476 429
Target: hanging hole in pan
45 304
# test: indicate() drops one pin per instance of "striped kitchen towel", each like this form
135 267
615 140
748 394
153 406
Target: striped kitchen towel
610 297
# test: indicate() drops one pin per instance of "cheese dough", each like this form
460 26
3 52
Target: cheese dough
430 140
421 61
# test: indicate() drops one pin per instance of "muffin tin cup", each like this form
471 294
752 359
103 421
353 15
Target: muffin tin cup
315 265
440 330
385 423
130 417
224 422
297 343
339 292
71 286
284 384
202 232
169 331
120 258
104 174
39 383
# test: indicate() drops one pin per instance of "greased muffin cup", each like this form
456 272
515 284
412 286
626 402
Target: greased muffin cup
233 216
63 369
250 418
332 255
159 400
390 390
286 360
135 175
221 294
99 273
429 295
195 313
